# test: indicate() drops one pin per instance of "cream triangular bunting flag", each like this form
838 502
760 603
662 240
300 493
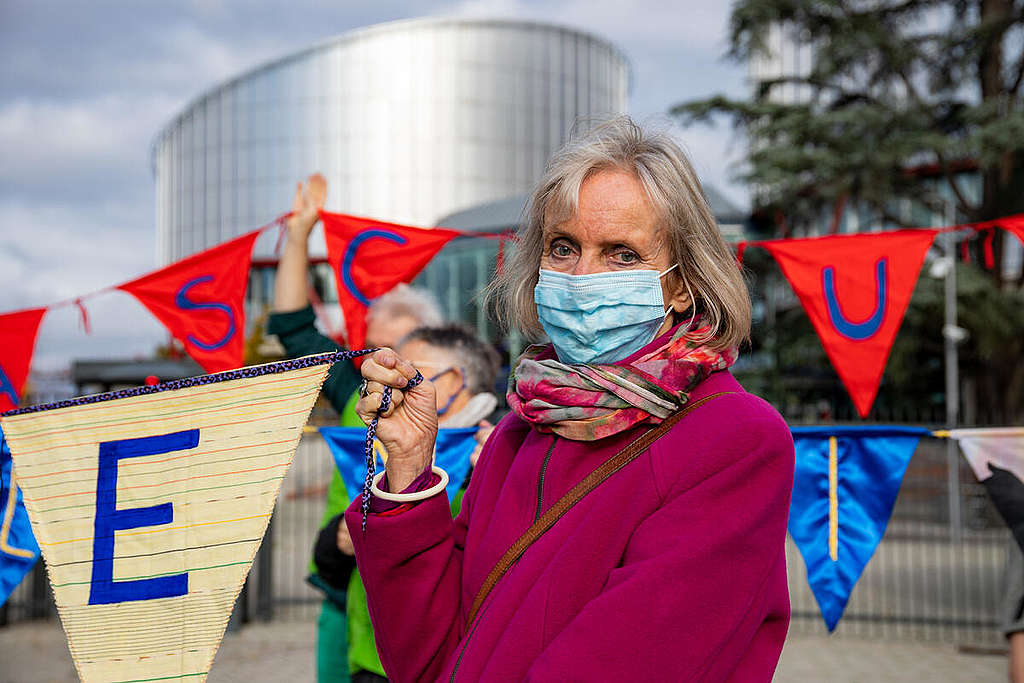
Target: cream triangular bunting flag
149 505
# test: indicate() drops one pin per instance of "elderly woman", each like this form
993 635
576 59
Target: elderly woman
627 520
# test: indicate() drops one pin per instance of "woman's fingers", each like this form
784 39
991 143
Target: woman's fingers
408 427
373 387
385 367
367 406
317 190
392 360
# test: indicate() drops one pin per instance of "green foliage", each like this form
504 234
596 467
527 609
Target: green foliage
913 386
989 358
901 100
894 85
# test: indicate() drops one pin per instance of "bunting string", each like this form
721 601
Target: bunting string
855 289
856 308
371 434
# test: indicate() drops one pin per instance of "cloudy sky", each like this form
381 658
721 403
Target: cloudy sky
85 86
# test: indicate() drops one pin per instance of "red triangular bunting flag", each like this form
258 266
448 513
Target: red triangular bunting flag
741 249
855 289
18 332
1014 224
200 301
370 257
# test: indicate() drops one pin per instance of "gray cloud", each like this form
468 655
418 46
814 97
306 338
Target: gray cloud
86 86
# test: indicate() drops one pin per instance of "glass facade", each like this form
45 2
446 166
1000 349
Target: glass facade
409 121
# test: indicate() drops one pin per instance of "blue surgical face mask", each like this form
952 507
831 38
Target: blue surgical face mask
600 317
451 399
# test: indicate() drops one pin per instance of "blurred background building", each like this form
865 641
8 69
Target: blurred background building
424 122
409 121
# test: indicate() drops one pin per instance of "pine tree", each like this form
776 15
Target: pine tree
897 90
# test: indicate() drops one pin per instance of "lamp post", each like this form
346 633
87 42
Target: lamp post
952 335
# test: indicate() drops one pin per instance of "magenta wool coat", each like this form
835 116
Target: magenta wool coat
673 569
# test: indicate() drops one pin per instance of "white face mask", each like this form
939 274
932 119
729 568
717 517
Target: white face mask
600 317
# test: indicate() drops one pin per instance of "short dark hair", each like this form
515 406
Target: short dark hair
477 358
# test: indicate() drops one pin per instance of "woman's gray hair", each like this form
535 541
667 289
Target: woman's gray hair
705 261
419 304
478 359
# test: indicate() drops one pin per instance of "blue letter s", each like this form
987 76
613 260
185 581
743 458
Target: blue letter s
184 303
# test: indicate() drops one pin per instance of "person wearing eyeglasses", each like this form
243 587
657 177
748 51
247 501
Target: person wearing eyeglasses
293 321
463 369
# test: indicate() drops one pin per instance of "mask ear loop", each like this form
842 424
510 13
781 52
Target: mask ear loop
689 292
693 304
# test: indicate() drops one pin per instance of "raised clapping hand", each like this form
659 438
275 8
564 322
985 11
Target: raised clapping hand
305 208
408 429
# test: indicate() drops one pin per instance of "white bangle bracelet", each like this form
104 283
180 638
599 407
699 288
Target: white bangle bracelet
411 497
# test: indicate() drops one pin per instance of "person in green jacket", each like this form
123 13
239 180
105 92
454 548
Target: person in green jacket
293 321
463 369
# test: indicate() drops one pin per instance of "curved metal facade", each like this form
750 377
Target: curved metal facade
409 121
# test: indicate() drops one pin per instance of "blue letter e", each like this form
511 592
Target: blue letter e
103 589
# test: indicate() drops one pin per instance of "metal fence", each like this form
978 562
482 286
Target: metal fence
927 581
924 583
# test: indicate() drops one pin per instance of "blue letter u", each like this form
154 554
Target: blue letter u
868 328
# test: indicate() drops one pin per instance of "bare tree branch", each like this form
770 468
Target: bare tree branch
1015 87
965 206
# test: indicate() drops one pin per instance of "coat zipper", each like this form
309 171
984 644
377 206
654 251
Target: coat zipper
572 503
465 645
540 499
540 479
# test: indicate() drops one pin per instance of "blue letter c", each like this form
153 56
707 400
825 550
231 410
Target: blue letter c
350 256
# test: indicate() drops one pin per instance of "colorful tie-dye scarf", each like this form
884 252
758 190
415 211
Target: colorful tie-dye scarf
589 402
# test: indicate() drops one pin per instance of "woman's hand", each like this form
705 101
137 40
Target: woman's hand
482 434
344 540
291 286
306 207
408 429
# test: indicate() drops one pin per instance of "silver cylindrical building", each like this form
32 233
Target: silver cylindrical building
409 121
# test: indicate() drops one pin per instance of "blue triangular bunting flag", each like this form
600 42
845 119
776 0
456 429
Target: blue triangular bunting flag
844 489
347 444
18 548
